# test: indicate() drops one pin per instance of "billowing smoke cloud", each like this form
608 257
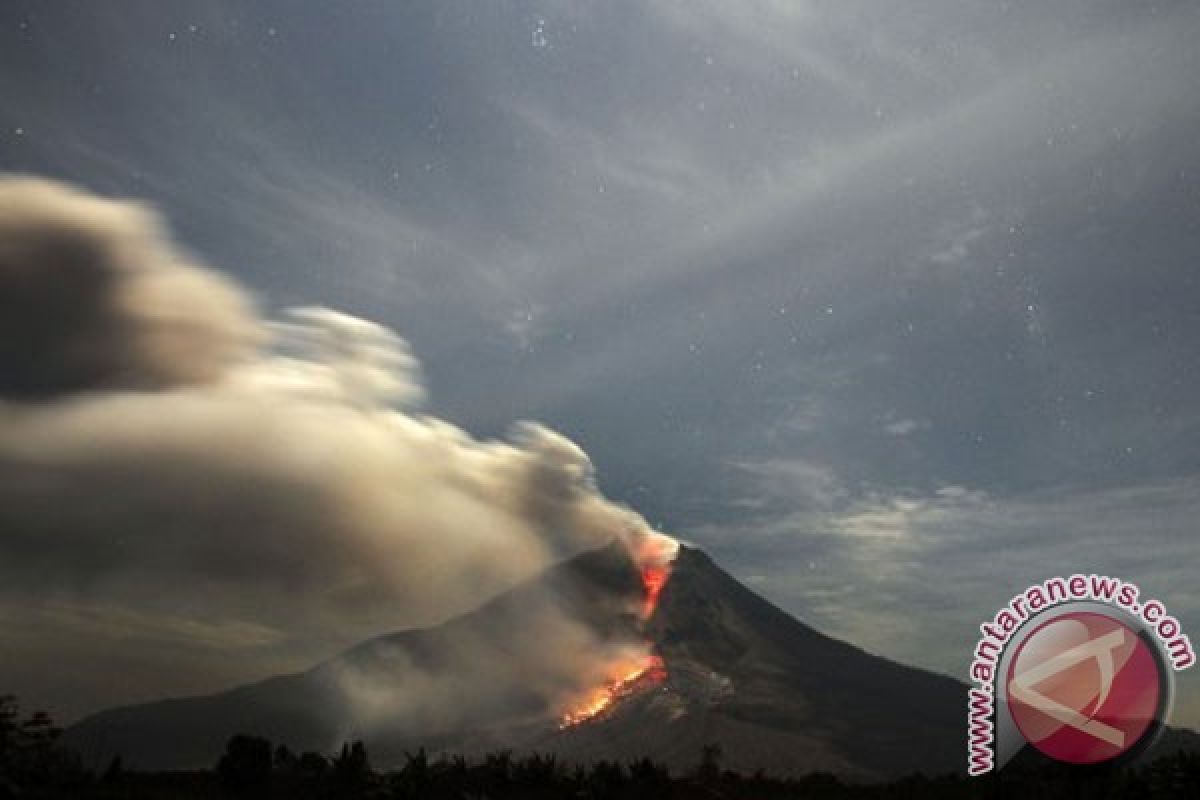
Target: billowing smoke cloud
180 475
94 297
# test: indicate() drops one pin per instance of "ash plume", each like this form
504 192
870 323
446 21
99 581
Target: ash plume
95 297
193 492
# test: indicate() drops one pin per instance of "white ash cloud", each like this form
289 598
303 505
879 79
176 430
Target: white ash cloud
166 450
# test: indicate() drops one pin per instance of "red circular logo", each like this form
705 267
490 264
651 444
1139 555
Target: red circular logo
1084 687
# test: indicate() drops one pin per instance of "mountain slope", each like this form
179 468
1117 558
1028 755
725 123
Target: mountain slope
395 690
772 692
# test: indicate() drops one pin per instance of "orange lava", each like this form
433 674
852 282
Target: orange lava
626 676
629 674
654 553
654 578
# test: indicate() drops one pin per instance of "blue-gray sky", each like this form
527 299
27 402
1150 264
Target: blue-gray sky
894 308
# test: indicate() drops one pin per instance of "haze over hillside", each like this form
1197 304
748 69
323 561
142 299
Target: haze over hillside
774 693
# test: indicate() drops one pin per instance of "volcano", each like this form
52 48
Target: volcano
711 663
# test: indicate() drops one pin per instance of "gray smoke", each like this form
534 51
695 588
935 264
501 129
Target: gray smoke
94 297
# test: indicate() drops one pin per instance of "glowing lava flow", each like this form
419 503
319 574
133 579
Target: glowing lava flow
627 676
654 578
655 556
631 673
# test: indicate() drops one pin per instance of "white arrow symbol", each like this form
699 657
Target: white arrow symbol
1101 649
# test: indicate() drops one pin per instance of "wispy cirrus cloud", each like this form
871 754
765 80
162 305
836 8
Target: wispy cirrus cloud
912 572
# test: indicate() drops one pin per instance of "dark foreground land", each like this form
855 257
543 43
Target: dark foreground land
34 765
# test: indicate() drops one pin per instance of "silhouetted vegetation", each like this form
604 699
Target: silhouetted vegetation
34 766
30 755
246 766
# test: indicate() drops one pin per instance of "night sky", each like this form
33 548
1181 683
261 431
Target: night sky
892 308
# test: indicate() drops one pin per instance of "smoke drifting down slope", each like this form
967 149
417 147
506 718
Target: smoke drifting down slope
184 478
736 671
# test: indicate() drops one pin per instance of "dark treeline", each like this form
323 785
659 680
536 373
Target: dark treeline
33 766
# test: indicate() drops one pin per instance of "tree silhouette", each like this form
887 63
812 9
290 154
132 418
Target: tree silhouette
245 766
351 767
29 752
709 768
